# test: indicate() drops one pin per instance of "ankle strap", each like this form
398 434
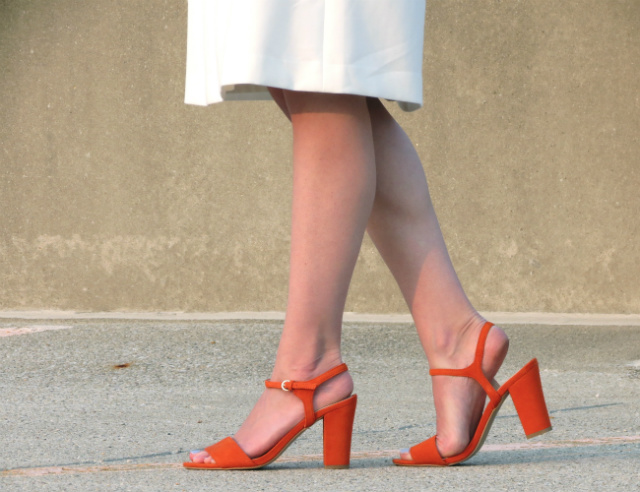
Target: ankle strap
306 389
474 371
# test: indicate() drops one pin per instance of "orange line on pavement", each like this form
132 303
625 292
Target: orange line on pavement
73 470
25 330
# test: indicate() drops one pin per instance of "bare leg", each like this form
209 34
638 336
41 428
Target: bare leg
404 228
333 190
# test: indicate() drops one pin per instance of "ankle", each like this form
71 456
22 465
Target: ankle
331 391
298 367
450 343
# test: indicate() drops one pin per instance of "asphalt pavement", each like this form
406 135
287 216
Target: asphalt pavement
116 404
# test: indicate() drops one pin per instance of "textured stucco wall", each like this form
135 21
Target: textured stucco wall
116 196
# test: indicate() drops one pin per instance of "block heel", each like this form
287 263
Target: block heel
528 398
337 432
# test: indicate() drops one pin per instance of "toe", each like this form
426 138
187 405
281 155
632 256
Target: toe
200 457
405 454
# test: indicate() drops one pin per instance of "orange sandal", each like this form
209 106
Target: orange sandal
525 389
338 427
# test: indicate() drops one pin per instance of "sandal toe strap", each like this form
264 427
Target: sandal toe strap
228 454
427 453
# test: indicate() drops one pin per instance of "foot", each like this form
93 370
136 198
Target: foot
277 412
460 401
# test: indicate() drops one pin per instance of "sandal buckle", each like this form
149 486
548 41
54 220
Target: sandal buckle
283 385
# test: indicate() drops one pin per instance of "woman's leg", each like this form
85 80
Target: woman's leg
333 190
404 228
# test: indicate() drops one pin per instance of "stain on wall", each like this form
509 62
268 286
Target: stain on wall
117 196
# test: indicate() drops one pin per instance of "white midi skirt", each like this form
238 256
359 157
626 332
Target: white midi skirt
238 48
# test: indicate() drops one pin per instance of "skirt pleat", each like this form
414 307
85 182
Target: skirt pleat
238 48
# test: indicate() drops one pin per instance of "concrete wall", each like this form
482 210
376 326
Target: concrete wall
116 196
